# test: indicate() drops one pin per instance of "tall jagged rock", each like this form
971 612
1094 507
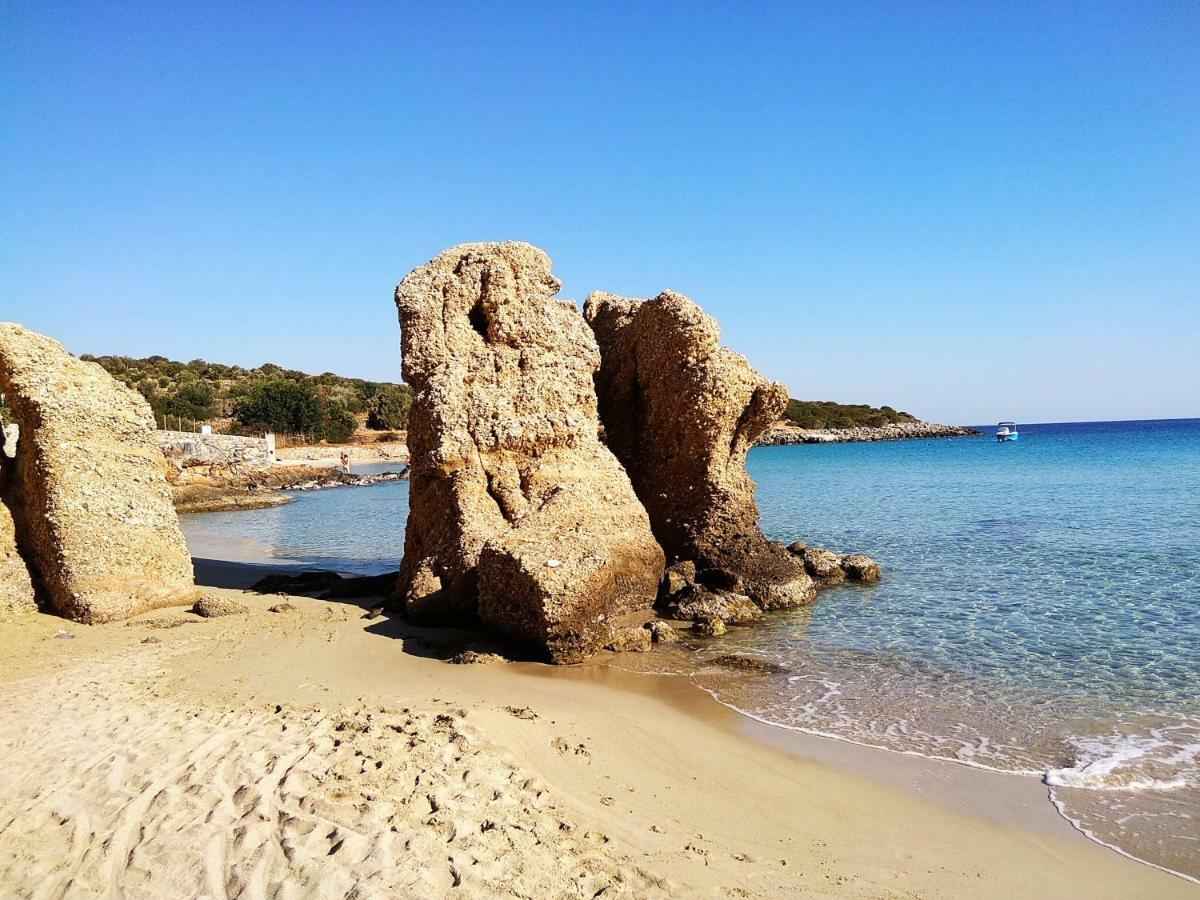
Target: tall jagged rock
518 513
87 489
681 412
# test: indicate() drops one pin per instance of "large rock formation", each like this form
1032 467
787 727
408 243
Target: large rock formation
87 491
681 412
16 587
518 513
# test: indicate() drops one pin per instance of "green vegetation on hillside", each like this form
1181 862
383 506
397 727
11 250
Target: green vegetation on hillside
267 398
827 414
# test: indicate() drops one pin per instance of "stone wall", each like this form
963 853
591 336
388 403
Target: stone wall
192 457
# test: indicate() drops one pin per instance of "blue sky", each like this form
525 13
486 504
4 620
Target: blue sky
970 211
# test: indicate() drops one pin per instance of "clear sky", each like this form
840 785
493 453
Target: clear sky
970 211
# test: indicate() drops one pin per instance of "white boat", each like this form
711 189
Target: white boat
1007 431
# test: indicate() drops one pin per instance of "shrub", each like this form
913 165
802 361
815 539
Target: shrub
193 400
338 423
279 405
388 409
818 414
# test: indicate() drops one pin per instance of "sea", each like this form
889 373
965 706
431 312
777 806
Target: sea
1039 611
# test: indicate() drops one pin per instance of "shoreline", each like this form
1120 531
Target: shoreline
682 794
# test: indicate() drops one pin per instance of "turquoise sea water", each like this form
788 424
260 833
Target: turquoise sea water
1040 610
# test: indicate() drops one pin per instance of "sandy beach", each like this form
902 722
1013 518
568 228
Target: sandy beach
315 752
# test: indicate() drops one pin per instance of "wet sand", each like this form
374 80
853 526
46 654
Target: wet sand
313 752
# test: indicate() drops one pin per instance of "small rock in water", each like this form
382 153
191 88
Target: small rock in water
861 567
709 626
661 632
631 639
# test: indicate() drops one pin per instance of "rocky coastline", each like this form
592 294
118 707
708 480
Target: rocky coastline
267 489
782 433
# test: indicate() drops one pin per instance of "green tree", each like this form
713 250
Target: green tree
388 409
193 400
338 423
279 405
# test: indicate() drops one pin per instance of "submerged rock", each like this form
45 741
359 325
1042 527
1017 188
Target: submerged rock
87 488
709 626
661 632
633 638
860 567
681 412
697 602
519 516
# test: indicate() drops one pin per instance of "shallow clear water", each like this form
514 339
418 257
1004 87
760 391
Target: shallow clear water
1040 610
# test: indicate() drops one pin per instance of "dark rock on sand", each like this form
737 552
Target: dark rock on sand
213 607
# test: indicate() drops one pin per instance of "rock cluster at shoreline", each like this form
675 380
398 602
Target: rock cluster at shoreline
680 411
521 520
782 433
86 487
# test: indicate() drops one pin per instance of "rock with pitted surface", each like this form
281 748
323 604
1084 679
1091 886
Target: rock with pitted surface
87 490
519 515
696 602
860 567
823 565
16 587
681 412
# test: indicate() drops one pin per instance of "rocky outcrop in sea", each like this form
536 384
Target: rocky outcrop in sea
782 433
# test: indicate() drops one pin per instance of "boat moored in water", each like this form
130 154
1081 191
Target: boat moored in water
1007 431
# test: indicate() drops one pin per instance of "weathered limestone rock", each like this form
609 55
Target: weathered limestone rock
87 489
632 638
518 514
823 565
696 602
16 587
681 412
860 567
677 577
661 632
